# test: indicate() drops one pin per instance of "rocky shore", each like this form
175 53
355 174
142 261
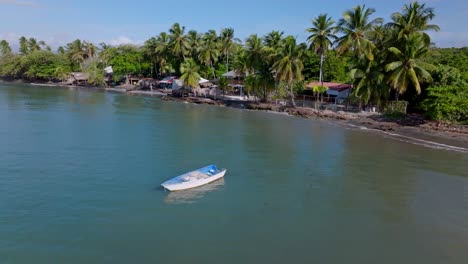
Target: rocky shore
410 126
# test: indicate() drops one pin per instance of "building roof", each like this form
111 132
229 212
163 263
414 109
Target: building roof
332 86
80 76
232 74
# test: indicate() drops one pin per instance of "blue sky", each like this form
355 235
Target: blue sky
117 22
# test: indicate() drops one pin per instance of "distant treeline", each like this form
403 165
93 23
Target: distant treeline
383 61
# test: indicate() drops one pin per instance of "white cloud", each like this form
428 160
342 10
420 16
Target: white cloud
19 3
123 40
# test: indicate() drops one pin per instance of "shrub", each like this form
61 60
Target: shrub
449 102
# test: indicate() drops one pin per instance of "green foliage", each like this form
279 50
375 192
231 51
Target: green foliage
223 83
449 102
41 64
335 68
282 91
190 76
10 66
260 84
62 72
127 60
299 86
95 70
453 57
446 75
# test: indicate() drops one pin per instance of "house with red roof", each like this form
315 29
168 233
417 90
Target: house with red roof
338 90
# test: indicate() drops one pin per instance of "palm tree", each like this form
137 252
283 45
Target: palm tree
178 41
90 49
260 83
288 64
407 68
149 49
227 43
5 48
93 67
321 38
162 52
255 52
273 39
209 50
369 82
43 45
190 76
415 18
33 45
241 63
355 27
194 39
24 49
76 52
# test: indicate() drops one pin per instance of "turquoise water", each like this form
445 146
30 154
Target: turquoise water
80 172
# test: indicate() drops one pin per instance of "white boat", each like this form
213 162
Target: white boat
194 178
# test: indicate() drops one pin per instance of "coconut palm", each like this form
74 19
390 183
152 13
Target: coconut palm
406 68
190 76
261 83
414 18
76 52
149 49
241 63
273 40
355 27
208 52
23 46
162 52
194 39
33 45
255 52
227 43
5 48
369 82
179 45
90 49
44 46
93 67
157 48
288 64
321 38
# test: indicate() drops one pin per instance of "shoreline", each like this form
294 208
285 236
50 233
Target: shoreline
421 131
410 128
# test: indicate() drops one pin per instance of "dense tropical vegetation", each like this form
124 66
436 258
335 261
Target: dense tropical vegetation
383 61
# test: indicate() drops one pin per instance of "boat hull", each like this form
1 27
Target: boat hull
173 185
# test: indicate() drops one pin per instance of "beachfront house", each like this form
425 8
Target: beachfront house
236 81
336 90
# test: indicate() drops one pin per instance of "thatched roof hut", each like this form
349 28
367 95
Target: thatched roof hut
77 78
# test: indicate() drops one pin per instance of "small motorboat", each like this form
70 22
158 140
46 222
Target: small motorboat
194 178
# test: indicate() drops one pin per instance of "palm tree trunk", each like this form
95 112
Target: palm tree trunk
321 69
212 69
227 62
292 97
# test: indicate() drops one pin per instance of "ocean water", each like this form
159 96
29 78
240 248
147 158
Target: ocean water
80 175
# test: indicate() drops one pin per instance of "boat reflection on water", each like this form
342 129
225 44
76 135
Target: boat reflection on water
192 195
